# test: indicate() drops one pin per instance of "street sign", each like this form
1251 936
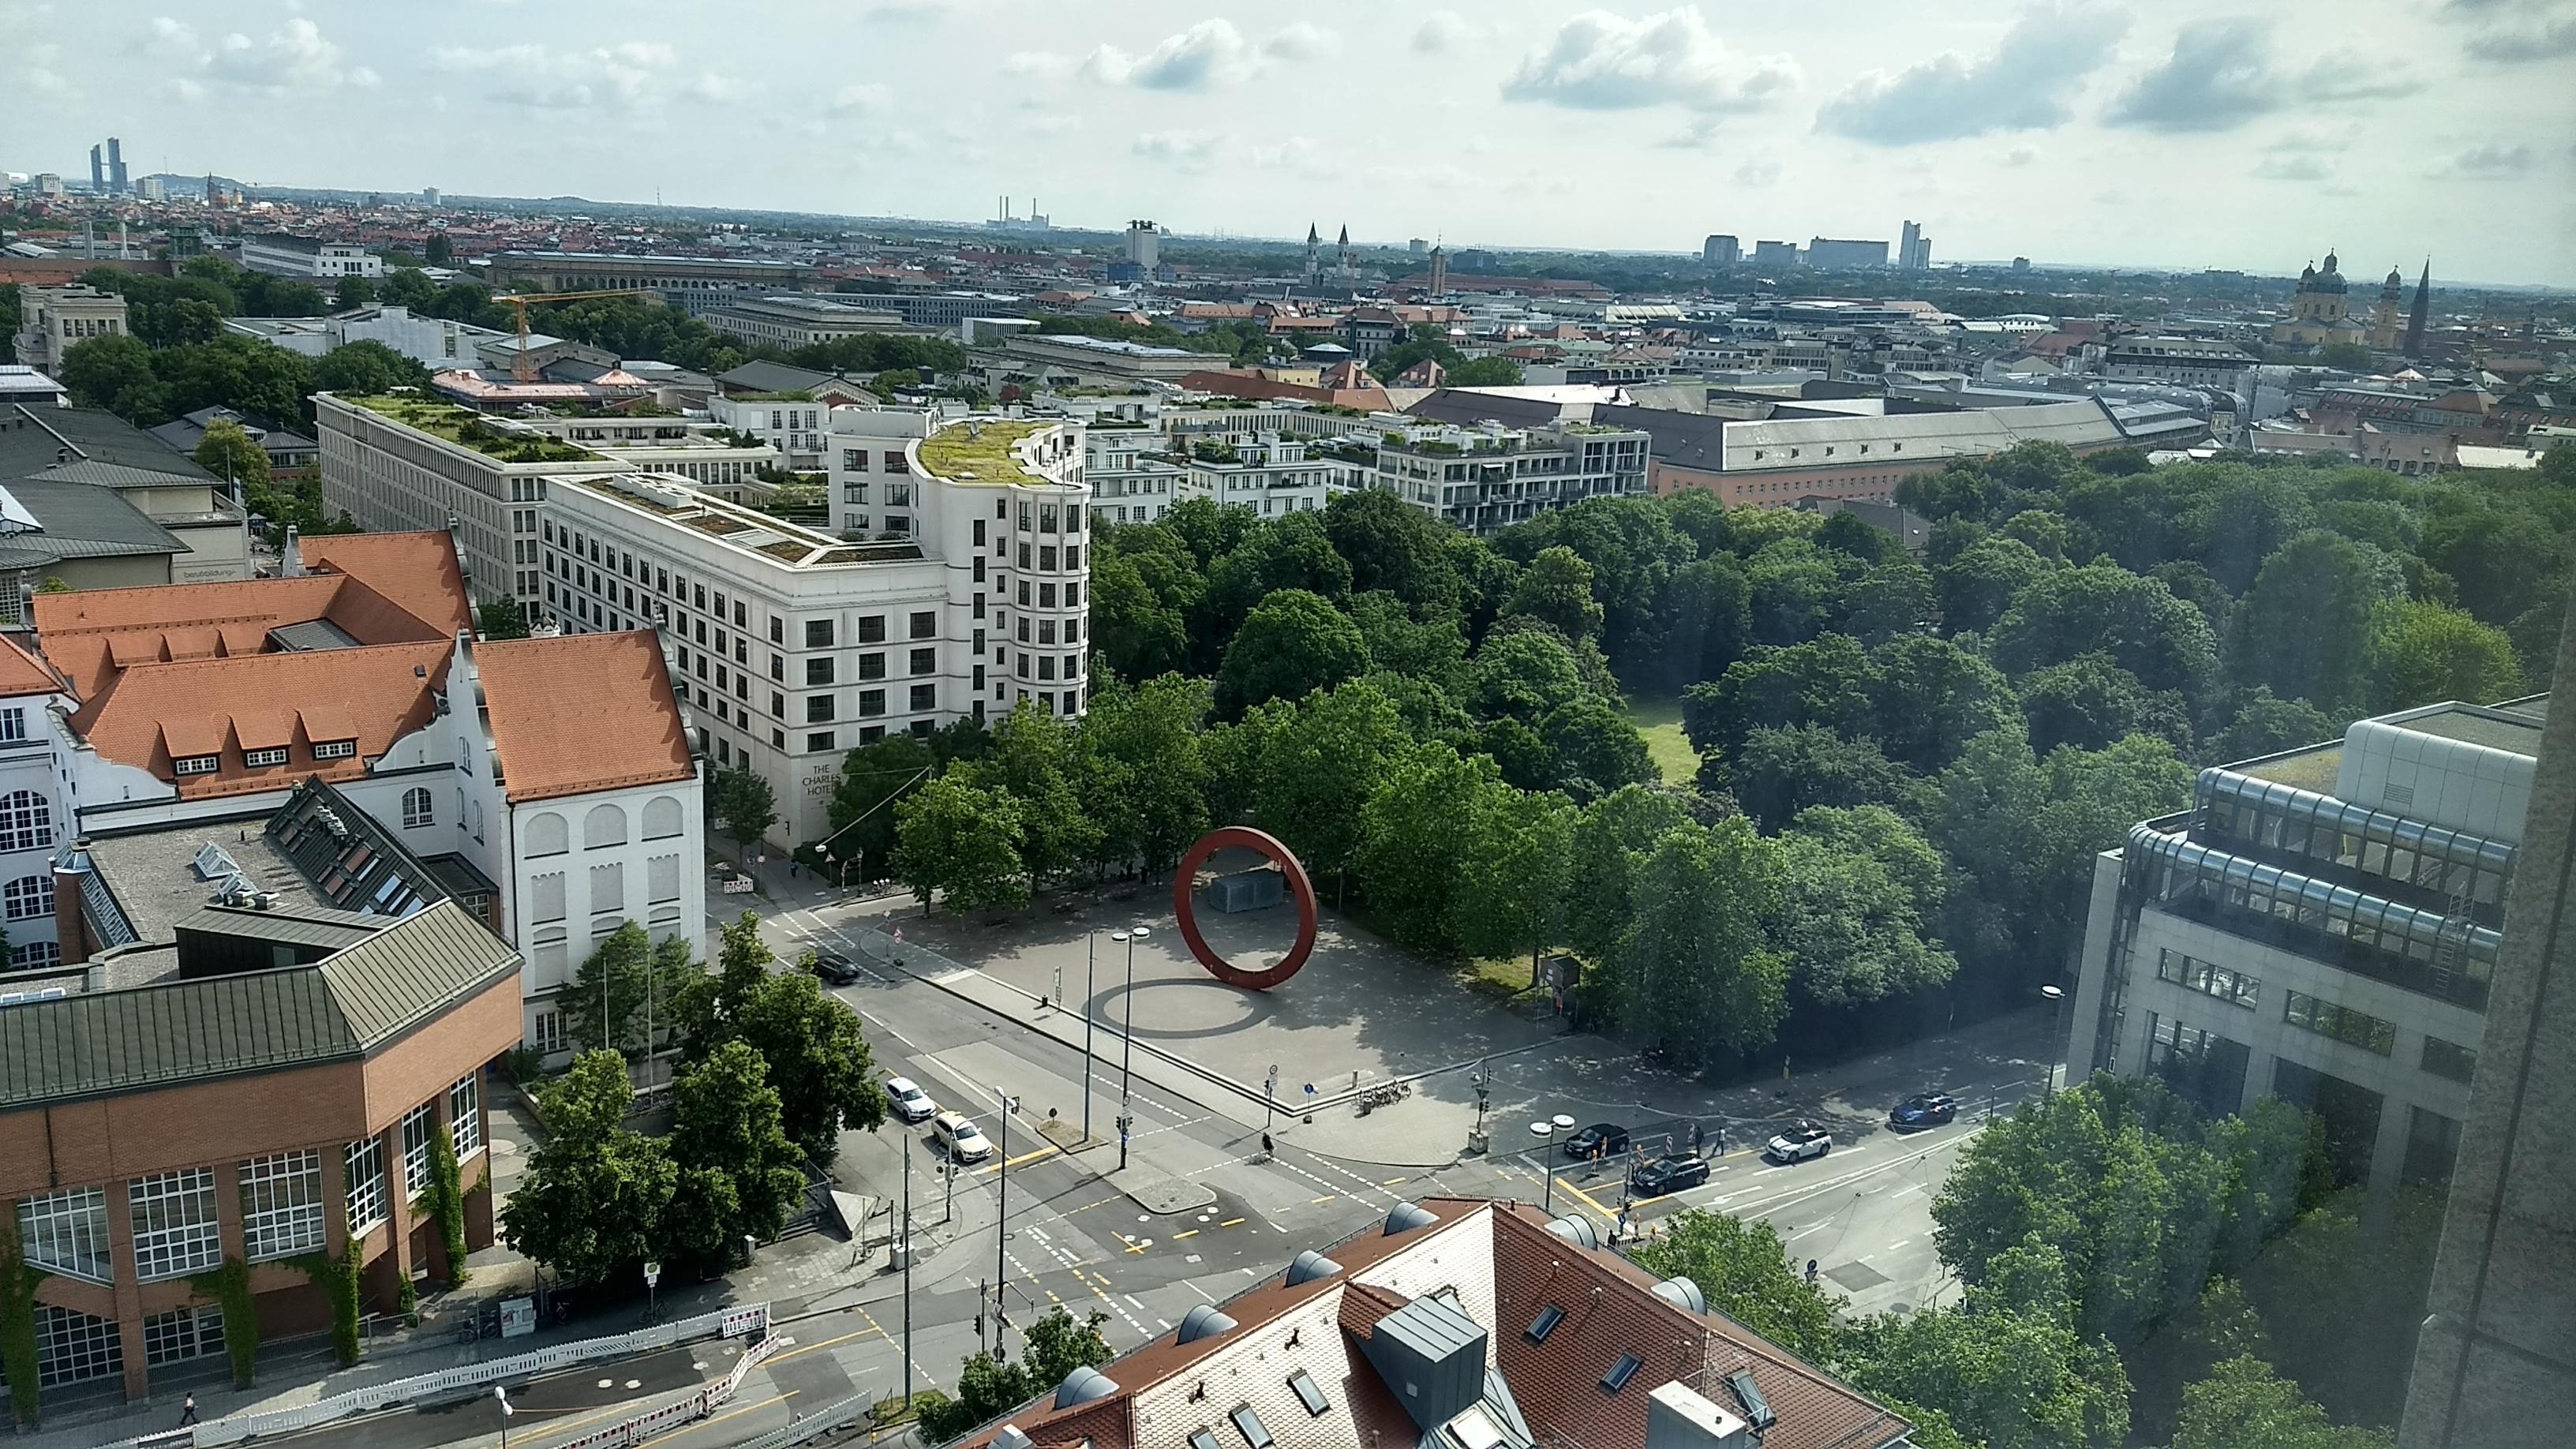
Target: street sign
1270 1087
652 1275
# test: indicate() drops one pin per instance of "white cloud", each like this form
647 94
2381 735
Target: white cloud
2530 31
539 77
716 88
1038 64
1184 150
1442 31
295 58
2020 156
1302 41
2220 75
2022 85
1208 54
2489 160
862 100
1054 123
2292 166
1294 153
1604 62
1757 173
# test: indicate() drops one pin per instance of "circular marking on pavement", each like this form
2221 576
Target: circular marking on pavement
1292 874
1144 1242
633 1384
608 1383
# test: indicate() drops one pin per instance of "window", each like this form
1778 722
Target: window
894 462
1024 559
2229 986
1046 596
548 834
818 672
281 1204
925 698
818 709
1307 1392
925 661
1202 1439
30 896
13 720
175 1232
872 629
35 953
1546 1322
415 1144
819 740
548 1033
335 749
925 624
546 897
2449 1059
2342 1023
818 633
73 1347
206 764
604 825
182 1334
1620 1372
1072 559
66 1232
661 818
1046 559
1248 1424
417 809
872 666
871 701
465 1114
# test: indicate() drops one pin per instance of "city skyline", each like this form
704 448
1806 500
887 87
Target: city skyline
2061 132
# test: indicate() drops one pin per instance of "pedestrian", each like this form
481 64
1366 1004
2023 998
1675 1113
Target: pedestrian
1696 1135
187 1410
1265 1144
1811 1272
1627 1227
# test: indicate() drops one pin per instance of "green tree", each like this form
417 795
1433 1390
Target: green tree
2007 1370
605 1008
2165 642
1707 622
1033 763
360 369
1743 1269
2244 1402
1606 848
988 1387
960 842
1851 927
502 618
1395 547
874 777
437 250
1595 748
1822 682
352 291
2266 724
1140 606
1510 895
1415 833
817 1056
1556 589
409 287
2308 626
1691 974
2089 701
1293 643
2427 653
1523 675
114 372
741 803
228 452
738 1174
592 1201
1779 772
1926 699
1795 587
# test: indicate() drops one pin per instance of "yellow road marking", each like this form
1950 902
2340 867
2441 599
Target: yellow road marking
1135 1247
1323 1199
1395 1181
804 1349
729 1413
1047 1151
1229 1222
1586 1199
1192 1233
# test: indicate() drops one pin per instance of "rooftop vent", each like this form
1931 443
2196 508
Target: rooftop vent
1683 1294
1009 1437
1309 1266
1203 1321
1408 1216
1082 1386
1576 1230
213 862
1757 1409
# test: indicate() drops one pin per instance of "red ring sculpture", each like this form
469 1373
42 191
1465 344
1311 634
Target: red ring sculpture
1185 905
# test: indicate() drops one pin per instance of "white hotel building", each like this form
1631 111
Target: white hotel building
960 590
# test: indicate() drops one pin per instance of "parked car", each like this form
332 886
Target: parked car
835 968
908 1100
964 1140
1610 1138
1799 1143
1668 1175
1923 1109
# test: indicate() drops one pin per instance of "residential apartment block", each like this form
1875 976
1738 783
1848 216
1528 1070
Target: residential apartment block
790 423
2321 926
54 320
552 780
306 259
1486 477
956 589
436 343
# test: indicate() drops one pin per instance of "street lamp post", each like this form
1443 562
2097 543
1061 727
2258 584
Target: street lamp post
1090 961
2056 995
1002 1223
906 1240
502 1394
1127 1058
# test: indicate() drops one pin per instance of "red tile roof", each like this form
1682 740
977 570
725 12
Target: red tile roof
155 714
417 572
1505 1267
582 712
23 673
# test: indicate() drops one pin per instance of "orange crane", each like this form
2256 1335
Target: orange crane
521 369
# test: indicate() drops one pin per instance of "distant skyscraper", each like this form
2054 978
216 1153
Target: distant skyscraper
116 167
2418 314
429 196
1923 254
1144 246
2495 1365
1439 272
1720 251
98 169
1905 246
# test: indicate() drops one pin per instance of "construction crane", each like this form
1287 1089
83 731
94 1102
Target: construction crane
521 369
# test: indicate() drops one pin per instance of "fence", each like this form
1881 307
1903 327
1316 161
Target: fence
829 1419
705 1401
234 1429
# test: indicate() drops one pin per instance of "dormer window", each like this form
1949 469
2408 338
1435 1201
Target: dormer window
258 759
199 764
334 749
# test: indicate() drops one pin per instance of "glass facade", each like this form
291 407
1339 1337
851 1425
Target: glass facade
2233 987
2421 865
66 1232
2325 1018
175 1232
2201 1066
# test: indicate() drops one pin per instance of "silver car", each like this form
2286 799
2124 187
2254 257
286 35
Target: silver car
1799 1143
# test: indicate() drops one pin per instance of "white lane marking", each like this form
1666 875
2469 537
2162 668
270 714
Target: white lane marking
1139 1307
1193 1287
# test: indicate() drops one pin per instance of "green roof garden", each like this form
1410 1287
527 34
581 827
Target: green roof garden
980 451
468 429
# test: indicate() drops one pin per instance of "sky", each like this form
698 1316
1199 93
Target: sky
2198 133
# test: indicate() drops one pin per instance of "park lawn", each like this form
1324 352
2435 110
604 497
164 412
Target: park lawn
1660 721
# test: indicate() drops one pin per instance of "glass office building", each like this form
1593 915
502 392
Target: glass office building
2321 926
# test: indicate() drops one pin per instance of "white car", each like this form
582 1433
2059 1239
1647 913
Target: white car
908 1100
1799 1143
964 1140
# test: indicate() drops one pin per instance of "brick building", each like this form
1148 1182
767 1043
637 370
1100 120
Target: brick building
264 1090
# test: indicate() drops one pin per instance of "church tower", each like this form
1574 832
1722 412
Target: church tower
1342 259
1314 255
2416 315
2383 317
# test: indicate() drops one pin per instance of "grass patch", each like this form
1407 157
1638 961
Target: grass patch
1505 978
1659 719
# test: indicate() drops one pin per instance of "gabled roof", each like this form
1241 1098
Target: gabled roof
397 976
155 713
22 673
582 712
79 520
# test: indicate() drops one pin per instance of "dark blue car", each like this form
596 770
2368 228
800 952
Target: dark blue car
1923 1109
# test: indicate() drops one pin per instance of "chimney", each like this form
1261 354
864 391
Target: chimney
290 557
1678 1417
456 543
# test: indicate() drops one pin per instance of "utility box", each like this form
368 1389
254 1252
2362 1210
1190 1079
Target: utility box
1247 890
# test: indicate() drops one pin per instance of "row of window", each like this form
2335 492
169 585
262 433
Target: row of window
26 821
2342 1023
548 833
176 1231
2233 987
855 460
546 901
263 759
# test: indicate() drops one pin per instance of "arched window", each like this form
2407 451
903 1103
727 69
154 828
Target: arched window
26 821
29 896
548 835
662 818
605 825
417 810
